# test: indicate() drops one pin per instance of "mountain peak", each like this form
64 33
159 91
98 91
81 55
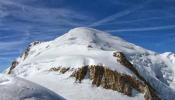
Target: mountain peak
83 30
83 35
89 37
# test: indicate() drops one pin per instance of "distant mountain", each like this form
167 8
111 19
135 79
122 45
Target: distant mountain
88 64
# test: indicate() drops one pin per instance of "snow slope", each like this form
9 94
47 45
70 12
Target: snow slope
169 69
12 88
66 87
79 47
86 46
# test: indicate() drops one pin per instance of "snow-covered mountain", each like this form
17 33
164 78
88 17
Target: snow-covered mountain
88 64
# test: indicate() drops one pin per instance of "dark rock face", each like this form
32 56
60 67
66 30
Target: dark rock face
150 92
55 69
14 64
108 79
62 70
121 58
80 74
26 52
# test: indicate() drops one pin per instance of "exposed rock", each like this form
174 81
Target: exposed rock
13 65
150 92
121 58
26 52
90 46
59 69
63 70
108 79
80 73
35 43
96 74
56 69
23 57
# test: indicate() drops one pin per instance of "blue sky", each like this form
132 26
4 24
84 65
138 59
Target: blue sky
148 23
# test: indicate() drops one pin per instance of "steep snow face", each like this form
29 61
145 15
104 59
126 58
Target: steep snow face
12 88
169 69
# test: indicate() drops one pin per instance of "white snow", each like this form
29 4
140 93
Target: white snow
79 47
66 87
86 46
169 69
12 88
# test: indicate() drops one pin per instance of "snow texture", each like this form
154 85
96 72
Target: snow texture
65 86
86 46
12 88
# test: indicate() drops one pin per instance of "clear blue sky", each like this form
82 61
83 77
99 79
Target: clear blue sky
148 23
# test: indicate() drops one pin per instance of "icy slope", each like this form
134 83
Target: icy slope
86 46
169 69
96 39
12 88
79 47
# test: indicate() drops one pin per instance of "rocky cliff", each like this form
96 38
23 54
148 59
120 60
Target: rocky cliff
109 79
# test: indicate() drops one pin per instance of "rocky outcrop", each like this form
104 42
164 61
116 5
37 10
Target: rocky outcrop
13 65
121 58
63 70
102 76
109 79
56 69
150 92
60 69
26 52
80 73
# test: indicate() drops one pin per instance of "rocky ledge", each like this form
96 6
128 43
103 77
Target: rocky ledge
109 79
